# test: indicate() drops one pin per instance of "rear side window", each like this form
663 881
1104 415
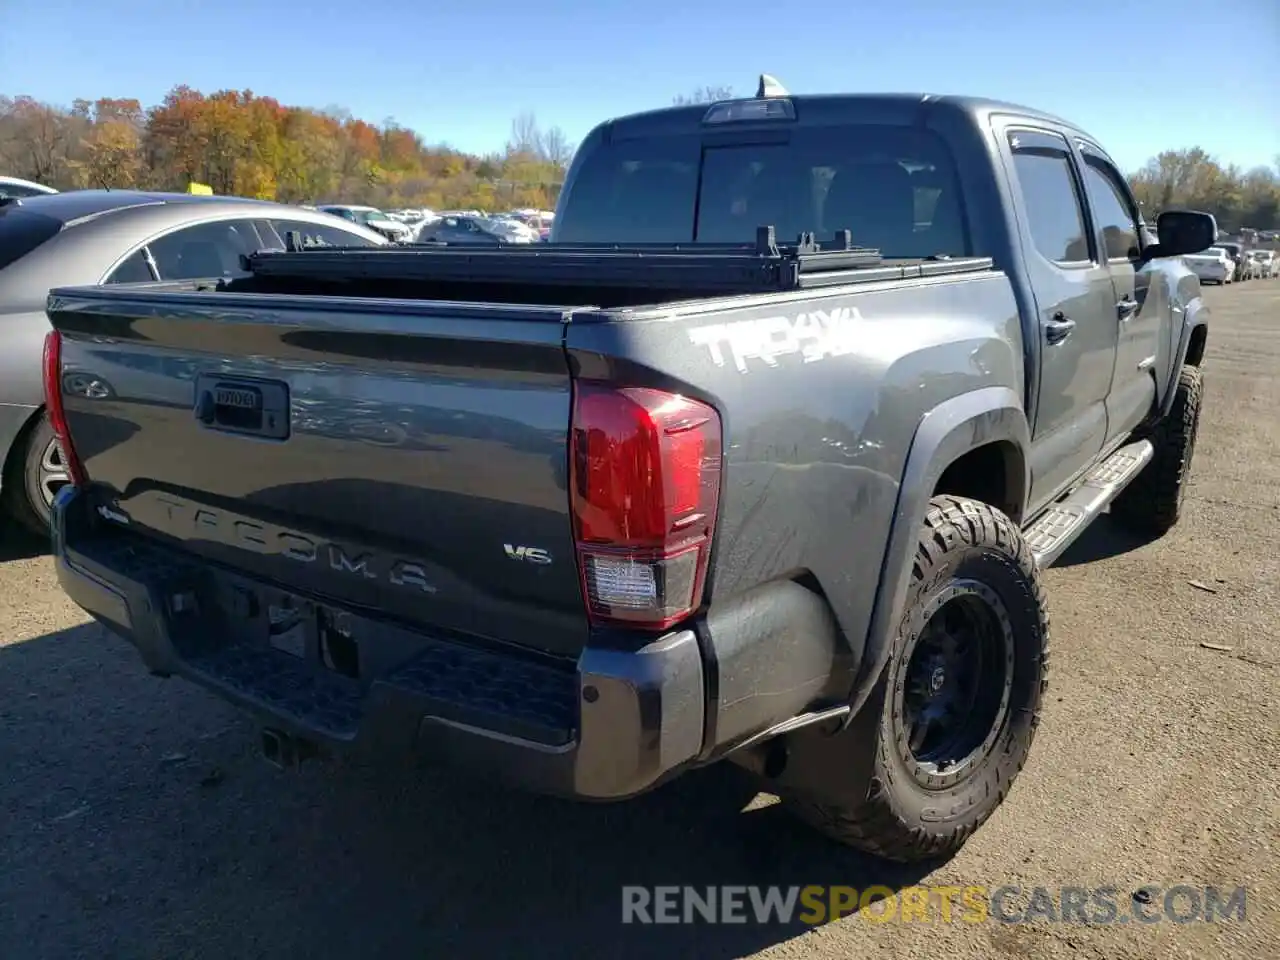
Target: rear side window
133 269
1055 219
204 251
894 188
21 232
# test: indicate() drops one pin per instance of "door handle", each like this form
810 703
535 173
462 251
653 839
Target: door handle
1127 308
1059 328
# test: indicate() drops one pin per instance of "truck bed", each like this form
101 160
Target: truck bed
410 453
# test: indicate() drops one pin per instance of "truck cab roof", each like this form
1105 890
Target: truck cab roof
840 108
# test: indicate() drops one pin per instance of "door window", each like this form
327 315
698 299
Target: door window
1055 216
1117 226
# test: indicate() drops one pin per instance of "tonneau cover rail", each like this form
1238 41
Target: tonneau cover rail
709 268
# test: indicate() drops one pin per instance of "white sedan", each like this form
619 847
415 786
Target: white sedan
1213 264
1265 263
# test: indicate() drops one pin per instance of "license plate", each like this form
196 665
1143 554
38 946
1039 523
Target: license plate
292 623
238 398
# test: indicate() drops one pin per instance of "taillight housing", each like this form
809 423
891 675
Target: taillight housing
645 487
54 410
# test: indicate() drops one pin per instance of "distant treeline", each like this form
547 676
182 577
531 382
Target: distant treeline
240 143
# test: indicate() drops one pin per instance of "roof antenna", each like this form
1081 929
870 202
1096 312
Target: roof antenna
770 87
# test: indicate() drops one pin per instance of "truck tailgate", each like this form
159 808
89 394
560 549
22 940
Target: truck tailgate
408 459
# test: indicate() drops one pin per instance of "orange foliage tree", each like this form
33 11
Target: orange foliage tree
248 145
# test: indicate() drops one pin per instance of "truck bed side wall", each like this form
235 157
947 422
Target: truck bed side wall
822 397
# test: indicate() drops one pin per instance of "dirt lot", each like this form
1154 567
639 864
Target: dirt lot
136 820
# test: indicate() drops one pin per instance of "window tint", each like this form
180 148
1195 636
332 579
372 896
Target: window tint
1119 229
21 232
1054 217
321 234
204 251
132 270
634 192
893 187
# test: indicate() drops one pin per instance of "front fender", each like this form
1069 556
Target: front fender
944 434
1195 315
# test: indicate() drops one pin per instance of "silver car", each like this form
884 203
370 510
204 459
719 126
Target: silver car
17 187
117 236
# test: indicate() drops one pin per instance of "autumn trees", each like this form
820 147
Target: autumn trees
1192 178
240 143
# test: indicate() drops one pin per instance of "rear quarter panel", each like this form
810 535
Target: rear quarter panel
817 425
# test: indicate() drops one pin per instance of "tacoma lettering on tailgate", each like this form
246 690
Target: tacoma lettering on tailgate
266 538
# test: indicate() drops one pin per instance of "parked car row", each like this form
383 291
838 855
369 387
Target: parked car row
372 218
1246 264
1212 266
1228 262
416 225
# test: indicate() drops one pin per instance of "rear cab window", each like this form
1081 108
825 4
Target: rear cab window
893 187
21 231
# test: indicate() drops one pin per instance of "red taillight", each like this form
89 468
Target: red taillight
53 406
645 487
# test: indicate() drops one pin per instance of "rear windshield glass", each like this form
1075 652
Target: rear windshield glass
21 232
893 187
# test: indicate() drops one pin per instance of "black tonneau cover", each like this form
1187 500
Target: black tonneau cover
615 274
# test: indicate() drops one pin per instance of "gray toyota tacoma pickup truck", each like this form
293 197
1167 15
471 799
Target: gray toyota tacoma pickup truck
760 458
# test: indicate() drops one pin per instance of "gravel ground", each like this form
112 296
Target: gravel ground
136 820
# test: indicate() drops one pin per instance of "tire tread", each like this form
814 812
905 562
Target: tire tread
1152 503
875 825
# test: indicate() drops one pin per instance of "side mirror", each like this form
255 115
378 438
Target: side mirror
1182 232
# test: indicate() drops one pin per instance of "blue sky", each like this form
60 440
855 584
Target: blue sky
1141 76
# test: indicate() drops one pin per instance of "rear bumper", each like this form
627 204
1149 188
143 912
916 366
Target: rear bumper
610 726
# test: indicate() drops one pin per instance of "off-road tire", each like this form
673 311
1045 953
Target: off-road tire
898 818
1152 503
22 498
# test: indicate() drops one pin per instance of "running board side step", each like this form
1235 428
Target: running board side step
1059 526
